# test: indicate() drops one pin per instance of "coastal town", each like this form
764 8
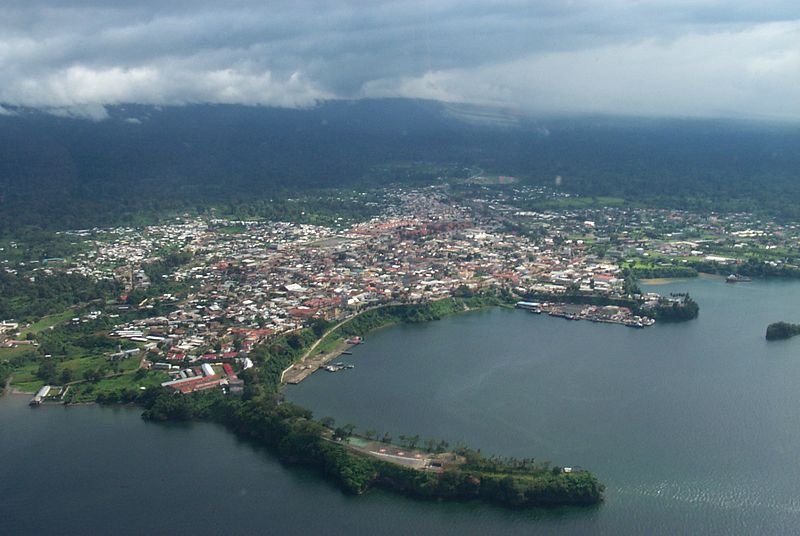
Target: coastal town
197 295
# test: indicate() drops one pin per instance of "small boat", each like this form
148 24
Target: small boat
736 278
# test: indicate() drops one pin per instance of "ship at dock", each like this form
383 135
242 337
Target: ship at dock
336 367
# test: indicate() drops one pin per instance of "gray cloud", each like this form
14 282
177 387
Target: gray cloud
662 57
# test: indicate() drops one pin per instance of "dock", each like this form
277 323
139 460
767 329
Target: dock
608 314
305 368
40 395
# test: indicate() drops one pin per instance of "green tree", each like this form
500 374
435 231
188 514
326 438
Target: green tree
66 375
327 422
47 370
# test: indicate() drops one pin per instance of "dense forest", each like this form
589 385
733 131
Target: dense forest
145 162
24 297
674 310
751 267
652 271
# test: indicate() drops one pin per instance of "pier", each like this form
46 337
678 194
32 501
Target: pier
305 368
39 397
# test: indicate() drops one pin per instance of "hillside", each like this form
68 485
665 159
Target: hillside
59 172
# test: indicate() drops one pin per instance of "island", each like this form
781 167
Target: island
782 330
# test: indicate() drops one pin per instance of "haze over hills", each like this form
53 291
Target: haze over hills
61 172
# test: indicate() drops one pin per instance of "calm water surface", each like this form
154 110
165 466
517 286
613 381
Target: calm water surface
694 427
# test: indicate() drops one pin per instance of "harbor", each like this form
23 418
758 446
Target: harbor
606 314
306 367
619 401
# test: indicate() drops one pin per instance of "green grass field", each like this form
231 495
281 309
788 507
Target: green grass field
114 387
11 353
46 322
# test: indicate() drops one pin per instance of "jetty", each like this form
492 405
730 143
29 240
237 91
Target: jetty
308 366
40 395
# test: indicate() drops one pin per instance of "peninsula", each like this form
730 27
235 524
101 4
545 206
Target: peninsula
359 462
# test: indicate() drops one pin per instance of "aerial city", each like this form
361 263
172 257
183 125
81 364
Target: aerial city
401 268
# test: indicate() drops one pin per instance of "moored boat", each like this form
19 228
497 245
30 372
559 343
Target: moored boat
736 278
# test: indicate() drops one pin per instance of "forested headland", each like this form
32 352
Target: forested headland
677 308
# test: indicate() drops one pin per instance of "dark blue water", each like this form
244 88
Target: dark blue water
694 427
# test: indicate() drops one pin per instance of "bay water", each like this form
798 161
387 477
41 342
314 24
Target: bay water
694 428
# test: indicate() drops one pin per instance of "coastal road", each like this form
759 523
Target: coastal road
304 366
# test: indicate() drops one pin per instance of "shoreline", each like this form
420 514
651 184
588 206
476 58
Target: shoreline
663 280
667 280
306 366
15 392
356 471
417 473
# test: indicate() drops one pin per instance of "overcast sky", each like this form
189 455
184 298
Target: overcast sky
724 58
